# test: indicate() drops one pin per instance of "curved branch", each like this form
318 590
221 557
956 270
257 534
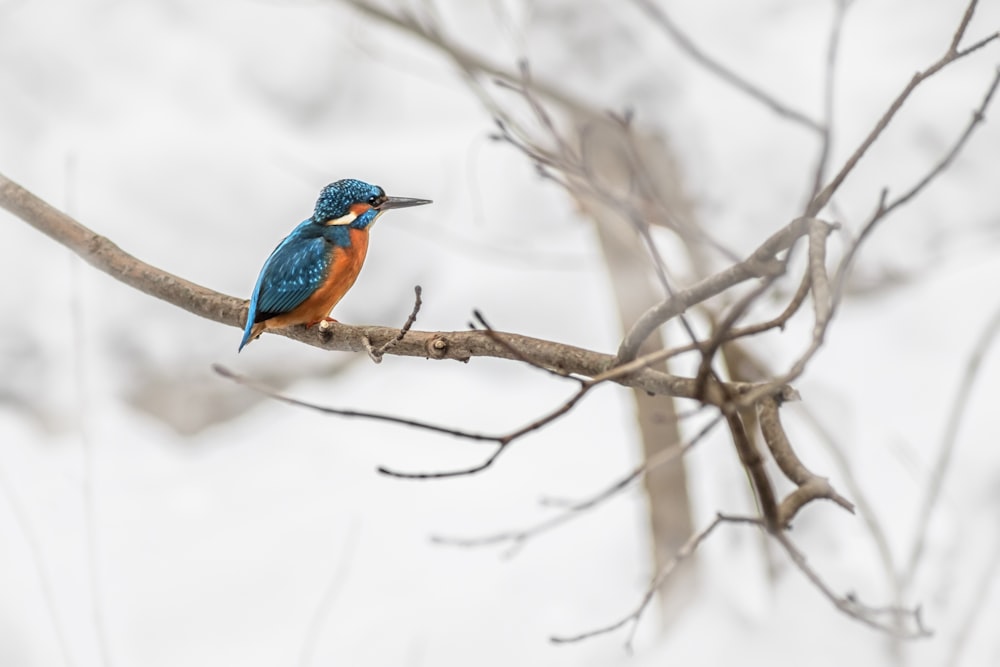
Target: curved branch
763 263
103 254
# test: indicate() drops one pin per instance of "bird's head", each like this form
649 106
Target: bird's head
356 204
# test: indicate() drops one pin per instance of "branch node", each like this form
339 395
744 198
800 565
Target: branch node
325 330
373 354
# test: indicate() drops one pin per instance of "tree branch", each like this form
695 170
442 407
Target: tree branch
376 354
635 615
950 56
104 255
896 626
942 463
810 485
687 45
516 538
762 263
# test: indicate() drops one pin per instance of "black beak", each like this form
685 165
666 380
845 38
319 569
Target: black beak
401 202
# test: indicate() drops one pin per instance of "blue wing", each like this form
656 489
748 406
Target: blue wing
296 268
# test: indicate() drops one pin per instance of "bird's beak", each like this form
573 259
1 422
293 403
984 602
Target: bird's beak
401 202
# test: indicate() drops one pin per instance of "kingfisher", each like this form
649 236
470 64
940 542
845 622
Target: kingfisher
312 269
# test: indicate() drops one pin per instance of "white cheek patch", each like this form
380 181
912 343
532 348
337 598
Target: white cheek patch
345 219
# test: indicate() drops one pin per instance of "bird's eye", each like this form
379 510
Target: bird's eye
377 200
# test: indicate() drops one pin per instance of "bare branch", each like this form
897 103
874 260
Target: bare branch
902 623
469 62
500 339
978 116
753 463
44 579
942 464
517 538
823 307
864 508
340 577
950 56
762 263
829 83
810 486
364 414
983 589
444 474
502 441
376 354
824 303
104 255
635 615
88 485
722 330
458 345
781 319
727 335
724 73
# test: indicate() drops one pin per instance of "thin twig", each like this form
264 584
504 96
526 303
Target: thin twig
661 576
724 73
722 330
501 441
826 306
865 509
942 465
761 263
88 485
978 116
470 62
849 604
517 538
376 353
41 571
730 334
336 584
501 339
950 56
364 414
983 589
829 87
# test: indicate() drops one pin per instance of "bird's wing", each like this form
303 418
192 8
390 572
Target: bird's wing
296 268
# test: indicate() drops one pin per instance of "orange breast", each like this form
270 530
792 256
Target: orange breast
345 266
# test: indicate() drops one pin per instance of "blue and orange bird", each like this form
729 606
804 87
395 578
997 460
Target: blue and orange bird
312 269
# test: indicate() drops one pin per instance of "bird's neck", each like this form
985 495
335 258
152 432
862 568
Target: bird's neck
345 236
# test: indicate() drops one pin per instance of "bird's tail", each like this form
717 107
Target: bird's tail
251 332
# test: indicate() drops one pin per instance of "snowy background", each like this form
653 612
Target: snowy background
226 530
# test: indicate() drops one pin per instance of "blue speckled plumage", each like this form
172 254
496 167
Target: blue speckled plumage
293 271
320 258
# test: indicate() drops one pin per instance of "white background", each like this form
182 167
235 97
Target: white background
196 135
